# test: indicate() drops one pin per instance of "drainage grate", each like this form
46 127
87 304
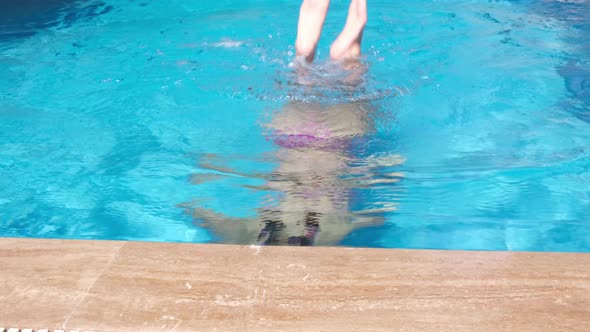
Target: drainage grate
14 329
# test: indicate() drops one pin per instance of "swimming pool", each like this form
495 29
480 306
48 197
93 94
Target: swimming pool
145 120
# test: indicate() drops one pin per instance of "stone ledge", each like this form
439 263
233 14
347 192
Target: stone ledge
125 286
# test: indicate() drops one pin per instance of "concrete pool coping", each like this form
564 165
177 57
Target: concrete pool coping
136 286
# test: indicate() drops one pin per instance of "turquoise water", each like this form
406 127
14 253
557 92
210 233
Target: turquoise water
153 120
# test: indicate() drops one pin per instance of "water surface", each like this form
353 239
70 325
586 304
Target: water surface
183 121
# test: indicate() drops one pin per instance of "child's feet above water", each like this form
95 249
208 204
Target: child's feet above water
311 20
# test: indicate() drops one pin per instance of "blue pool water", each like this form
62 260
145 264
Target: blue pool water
157 120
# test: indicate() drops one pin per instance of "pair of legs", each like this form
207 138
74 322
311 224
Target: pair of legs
311 20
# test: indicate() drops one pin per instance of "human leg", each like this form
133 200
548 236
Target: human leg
348 43
311 20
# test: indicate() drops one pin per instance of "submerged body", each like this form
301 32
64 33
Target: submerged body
309 200
314 143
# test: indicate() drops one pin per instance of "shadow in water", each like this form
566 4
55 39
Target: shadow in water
23 18
575 15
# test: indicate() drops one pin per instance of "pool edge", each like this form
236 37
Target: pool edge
118 285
